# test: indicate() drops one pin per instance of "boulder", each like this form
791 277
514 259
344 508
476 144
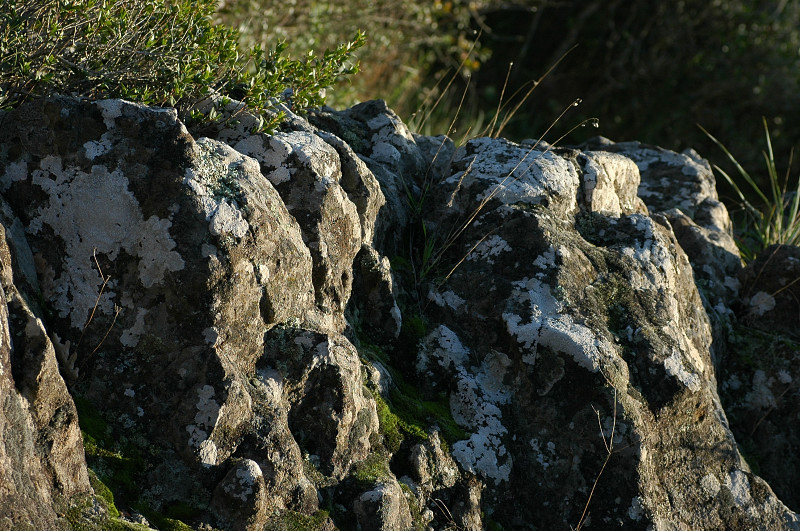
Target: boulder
588 314
383 508
164 261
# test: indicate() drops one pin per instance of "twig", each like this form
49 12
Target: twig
609 444
97 300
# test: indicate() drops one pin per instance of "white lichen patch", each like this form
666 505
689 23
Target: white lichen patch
675 368
475 403
111 110
391 139
489 248
484 454
214 181
245 480
97 148
690 162
543 455
130 336
448 298
517 174
206 417
545 323
114 223
273 154
739 485
314 153
546 260
276 155
444 346
761 303
14 171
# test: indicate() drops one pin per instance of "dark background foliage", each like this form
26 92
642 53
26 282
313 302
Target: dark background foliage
650 71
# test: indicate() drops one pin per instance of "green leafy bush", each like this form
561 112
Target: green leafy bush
411 41
165 53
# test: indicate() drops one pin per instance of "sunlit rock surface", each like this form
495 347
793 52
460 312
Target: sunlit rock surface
346 324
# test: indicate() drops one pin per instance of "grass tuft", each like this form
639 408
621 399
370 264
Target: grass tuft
778 219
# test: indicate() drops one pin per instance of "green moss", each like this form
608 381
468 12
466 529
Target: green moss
419 414
413 505
81 516
114 471
294 521
164 523
414 327
407 415
103 493
91 422
371 469
389 424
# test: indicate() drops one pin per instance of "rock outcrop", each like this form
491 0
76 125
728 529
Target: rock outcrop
346 325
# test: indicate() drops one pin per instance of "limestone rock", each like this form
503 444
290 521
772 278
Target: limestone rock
230 308
240 499
331 414
586 314
42 466
383 508
167 285
374 295
683 188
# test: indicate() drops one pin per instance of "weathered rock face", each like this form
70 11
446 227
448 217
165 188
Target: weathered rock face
165 262
346 325
587 312
42 467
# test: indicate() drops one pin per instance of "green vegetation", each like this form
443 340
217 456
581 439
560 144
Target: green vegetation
117 467
104 493
113 471
724 63
372 469
408 414
157 53
777 219
413 43
294 521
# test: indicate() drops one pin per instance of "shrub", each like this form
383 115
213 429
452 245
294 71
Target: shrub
164 53
413 40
